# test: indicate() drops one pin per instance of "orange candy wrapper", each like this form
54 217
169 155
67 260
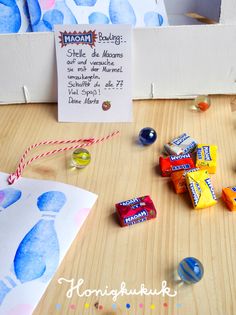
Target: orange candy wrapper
229 197
179 180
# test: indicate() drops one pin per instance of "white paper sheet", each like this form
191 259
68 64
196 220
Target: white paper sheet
38 222
44 14
94 73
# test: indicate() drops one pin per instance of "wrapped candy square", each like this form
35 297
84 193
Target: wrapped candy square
179 180
207 157
135 210
180 145
229 197
175 163
200 189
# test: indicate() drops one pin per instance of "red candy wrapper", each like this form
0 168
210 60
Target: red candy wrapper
174 163
135 210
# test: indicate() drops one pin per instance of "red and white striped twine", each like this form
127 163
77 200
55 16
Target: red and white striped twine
85 142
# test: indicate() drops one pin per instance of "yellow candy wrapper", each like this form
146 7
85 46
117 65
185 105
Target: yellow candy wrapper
207 157
200 189
229 197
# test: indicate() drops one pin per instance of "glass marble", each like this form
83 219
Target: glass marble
147 136
202 103
190 270
80 158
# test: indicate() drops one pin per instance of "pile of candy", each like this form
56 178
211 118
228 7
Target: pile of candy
189 165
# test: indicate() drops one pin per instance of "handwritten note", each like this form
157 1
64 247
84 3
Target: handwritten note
94 73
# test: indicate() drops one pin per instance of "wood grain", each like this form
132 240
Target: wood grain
103 254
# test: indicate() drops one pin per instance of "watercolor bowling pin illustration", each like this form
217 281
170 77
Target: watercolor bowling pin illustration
98 18
45 14
10 17
121 12
37 255
88 3
153 19
8 196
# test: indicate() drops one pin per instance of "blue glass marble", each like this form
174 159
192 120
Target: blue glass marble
190 270
147 136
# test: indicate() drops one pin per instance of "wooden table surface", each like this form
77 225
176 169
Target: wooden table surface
104 254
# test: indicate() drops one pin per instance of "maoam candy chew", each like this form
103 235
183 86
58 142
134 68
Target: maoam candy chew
175 163
180 145
200 189
229 197
135 210
179 180
207 157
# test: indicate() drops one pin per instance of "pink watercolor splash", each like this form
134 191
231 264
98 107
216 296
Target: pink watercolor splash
47 4
21 309
81 215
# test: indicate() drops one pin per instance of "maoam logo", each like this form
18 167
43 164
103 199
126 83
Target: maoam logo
195 195
208 182
179 157
190 147
129 202
180 139
78 38
207 155
181 167
138 215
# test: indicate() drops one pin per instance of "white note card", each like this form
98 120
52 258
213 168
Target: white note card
94 73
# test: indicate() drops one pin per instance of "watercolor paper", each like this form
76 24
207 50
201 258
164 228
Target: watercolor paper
44 14
14 16
38 222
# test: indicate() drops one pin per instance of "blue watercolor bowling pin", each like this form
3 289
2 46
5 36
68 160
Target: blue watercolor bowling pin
34 11
37 255
68 16
10 18
88 3
153 19
60 14
8 196
52 17
26 13
98 18
121 12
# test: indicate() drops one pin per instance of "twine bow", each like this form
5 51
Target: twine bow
82 143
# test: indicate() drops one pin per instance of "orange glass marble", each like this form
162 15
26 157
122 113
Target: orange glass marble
202 103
